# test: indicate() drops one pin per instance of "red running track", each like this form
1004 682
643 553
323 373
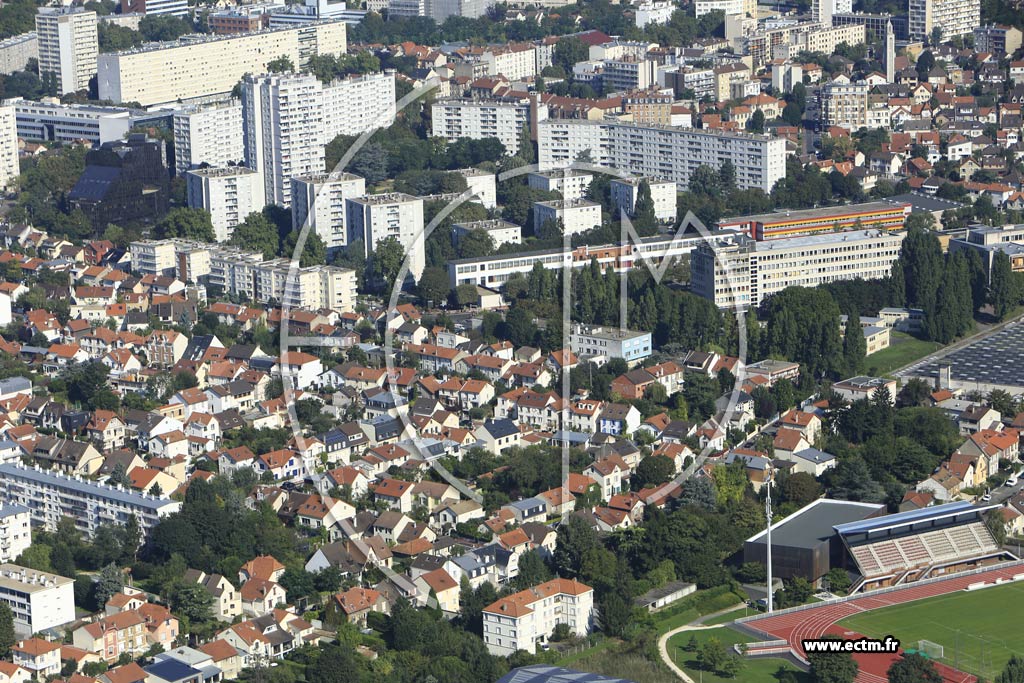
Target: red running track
816 622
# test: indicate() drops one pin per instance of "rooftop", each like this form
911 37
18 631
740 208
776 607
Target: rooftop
811 525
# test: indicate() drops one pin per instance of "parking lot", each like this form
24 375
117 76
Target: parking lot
995 361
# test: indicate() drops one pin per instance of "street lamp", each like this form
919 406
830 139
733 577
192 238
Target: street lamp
768 536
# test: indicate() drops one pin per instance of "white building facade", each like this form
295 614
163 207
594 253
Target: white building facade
210 134
320 199
68 46
376 217
39 600
624 192
9 168
230 194
525 620
575 215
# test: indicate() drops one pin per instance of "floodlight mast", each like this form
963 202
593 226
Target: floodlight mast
768 537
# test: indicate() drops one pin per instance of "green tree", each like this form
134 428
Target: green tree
1013 672
654 470
7 635
163 27
1001 291
854 345
108 582
257 233
838 580
280 65
832 667
755 124
645 222
568 51
912 667
792 114
434 286
532 570
192 601
475 243
387 260
193 224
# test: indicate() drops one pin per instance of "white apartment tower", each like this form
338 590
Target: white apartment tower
210 134
320 199
478 119
357 104
229 193
823 10
742 7
8 144
68 47
283 130
373 218
951 17
624 193
15 531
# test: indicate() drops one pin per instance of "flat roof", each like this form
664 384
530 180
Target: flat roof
10 471
826 238
17 578
822 212
814 523
924 202
910 517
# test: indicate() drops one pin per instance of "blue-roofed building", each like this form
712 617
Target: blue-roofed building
190 661
50 497
172 671
498 435
528 510
919 544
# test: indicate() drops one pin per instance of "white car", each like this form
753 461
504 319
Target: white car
986 498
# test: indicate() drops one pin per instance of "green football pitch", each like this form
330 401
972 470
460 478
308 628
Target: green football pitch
978 630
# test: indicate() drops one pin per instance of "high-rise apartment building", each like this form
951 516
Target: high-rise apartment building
229 193
744 7
68 47
376 217
952 18
822 11
478 119
201 66
176 8
743 273
17 50
358 103
283 130
210 134
320 199
844 104
662 152
8 144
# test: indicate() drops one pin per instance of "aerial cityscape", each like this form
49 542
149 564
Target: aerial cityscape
465 341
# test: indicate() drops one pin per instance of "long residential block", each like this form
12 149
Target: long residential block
51 497
662 151
201 66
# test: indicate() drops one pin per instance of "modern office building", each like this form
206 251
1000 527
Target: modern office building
358 103
50 497
180 71
525 620
952 18
282 122
452 119
68 47
744 7
376 217
624 192
320 199
610 342
209 134
15 531
572 184
783 224
17 50
501 232
176 8
662 152
56 122
39 600
9 168
987 241
229 193
575 215
742 273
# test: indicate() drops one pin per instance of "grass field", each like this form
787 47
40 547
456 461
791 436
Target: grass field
759 670
903 350
979 630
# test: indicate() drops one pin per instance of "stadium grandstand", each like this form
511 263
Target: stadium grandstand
918 544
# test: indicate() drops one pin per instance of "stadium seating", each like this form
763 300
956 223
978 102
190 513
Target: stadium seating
889 556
